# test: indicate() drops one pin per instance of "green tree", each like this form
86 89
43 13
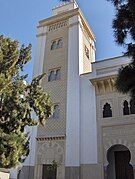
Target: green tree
124 33
18 100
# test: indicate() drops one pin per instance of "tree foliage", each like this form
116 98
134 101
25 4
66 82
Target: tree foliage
18 100
124 33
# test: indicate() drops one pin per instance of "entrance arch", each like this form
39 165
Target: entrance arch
119 166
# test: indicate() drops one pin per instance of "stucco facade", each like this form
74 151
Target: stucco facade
118 129
81 138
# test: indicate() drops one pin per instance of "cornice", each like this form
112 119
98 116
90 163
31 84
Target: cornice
104 85
65 16
60 17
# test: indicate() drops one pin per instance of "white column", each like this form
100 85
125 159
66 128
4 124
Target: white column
40 51
73 96
88 122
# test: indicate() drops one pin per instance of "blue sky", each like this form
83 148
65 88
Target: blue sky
20 17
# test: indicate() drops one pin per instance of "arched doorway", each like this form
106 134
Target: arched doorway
119 166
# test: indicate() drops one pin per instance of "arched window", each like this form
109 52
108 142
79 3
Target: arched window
59 44
51 76
54 45
107 111
56 112
132 107
58 74
125 108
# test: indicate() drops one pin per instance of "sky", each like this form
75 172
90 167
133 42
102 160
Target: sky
19 19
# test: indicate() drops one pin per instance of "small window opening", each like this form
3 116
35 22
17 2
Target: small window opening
58 74
54 45
132 107
107 111
125 108
51 76
87 52
56 112
59 45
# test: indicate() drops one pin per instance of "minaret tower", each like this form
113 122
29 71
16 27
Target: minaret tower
65 51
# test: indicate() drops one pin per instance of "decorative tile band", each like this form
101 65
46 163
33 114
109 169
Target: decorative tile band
50 138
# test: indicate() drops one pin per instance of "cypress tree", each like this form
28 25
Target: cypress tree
18 100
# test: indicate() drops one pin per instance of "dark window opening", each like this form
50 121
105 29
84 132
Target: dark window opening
107 111
59 45
58 74
54 75
54 45
125 108
51 76
132 107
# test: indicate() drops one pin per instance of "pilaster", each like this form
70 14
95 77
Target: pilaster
73 97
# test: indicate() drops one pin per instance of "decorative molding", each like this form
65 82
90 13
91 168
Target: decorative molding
47 151
50 138
119 135
104 85
57 25
65 16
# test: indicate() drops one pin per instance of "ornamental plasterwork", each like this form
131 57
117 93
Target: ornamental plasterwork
57 25
50 150
123 135
118 141
104 85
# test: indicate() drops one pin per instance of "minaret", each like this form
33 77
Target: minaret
65 50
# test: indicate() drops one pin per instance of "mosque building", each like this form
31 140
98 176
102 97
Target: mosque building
91 134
